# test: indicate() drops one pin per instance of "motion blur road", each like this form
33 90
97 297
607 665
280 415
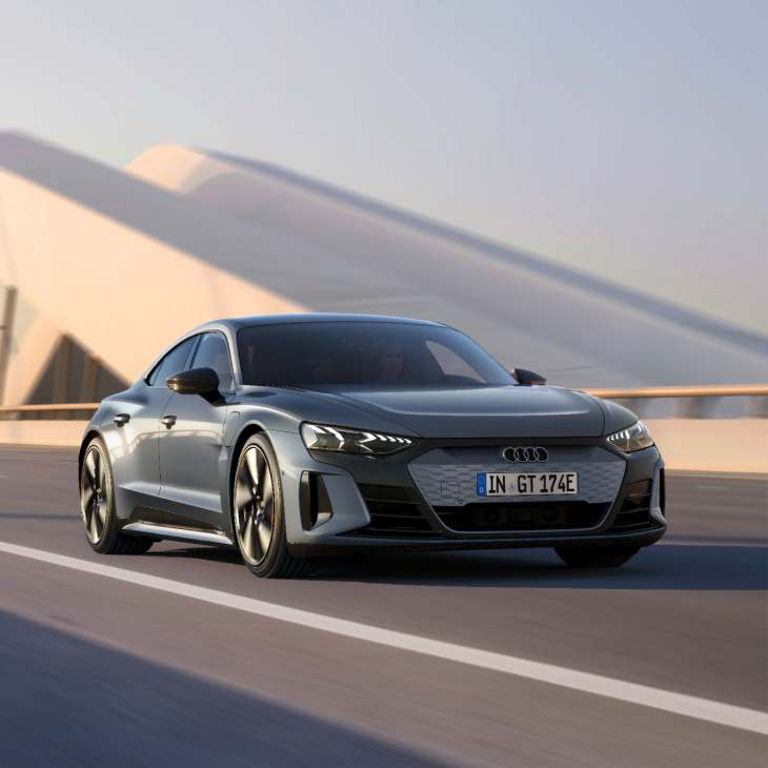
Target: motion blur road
97 671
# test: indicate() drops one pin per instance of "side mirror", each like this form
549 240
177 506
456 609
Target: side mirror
196 381
528 378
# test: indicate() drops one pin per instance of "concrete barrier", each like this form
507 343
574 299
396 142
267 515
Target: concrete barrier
703 445
712 445
57 432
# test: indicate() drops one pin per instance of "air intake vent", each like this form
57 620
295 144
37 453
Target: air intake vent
314 503
522 516
635 510
395 513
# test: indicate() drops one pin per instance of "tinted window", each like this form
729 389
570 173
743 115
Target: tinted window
452 364
364 354
173 362
214 353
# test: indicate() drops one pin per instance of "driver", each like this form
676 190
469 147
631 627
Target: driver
390 366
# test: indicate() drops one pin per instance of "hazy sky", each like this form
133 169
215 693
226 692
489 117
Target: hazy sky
626 138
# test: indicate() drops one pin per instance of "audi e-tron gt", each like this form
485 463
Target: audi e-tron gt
291 437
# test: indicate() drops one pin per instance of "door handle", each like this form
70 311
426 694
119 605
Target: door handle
121 419
169 421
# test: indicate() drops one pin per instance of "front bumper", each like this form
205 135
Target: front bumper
393 503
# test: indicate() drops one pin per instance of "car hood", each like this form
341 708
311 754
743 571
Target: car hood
505 411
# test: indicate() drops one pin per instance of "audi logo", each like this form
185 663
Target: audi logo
525 454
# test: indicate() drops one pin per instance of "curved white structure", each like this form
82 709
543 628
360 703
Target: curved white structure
122 262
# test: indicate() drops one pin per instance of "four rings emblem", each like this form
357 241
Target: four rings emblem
525 454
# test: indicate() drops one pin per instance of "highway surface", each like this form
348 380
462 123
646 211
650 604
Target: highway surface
99 670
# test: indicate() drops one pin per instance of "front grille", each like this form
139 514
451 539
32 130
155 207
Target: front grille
521 516
635 510
395 513
447 476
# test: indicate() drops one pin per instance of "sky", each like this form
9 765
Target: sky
626 139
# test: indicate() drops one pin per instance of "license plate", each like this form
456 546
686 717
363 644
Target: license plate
527 483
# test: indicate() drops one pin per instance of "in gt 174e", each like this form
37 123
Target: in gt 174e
291 437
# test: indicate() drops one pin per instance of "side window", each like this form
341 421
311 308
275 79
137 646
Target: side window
213 352
172 363
451 364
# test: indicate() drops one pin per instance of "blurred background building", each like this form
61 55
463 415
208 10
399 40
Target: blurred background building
102 268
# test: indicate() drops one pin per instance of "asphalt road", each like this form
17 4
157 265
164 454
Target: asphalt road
96 672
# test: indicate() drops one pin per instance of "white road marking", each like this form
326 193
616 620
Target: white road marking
672 541
632 693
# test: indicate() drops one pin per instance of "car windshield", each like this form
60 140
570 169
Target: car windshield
364 354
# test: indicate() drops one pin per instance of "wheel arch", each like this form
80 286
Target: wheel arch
89 436
246 431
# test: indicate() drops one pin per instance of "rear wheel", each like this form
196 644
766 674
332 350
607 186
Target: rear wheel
596 557
97 506
258 517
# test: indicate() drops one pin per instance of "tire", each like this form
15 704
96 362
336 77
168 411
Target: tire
258 513
596 557
97 506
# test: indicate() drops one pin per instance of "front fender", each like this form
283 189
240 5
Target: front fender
616 416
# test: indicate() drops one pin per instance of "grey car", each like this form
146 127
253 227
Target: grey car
297 436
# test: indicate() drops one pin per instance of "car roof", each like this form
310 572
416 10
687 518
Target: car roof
234 323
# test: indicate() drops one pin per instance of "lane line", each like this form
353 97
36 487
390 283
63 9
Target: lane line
586 682
694 541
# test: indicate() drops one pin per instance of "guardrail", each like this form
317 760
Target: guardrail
692 402
705 390
695 402
80 411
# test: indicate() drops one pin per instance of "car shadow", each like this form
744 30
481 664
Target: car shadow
184 552
668 566
663 567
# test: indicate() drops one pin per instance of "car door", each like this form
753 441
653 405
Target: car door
134 443
191 446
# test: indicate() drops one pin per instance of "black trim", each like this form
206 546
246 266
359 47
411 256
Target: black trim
522 516
633 506
314 502
394 511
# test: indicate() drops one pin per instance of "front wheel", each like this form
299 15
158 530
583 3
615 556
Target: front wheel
97 506
258 516
596 557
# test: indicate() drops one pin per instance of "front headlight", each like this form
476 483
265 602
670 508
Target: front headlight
633 438
320 437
